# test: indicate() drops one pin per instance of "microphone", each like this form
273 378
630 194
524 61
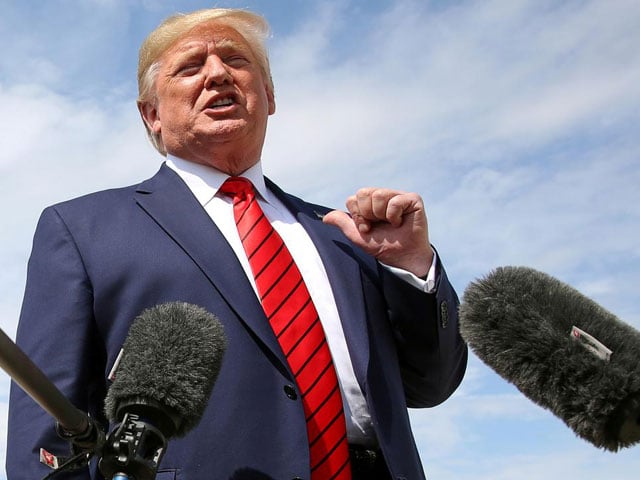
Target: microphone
560 349
170 361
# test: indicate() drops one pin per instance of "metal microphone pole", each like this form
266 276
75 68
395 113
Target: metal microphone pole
73 424
31 379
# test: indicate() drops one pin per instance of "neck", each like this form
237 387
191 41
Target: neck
232 164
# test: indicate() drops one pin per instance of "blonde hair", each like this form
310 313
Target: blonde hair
253 28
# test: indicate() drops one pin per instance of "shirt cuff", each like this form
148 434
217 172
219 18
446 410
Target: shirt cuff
427 285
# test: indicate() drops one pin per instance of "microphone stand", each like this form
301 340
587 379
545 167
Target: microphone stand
135 447
72 424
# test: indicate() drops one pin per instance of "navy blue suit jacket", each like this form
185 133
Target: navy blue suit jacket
99 260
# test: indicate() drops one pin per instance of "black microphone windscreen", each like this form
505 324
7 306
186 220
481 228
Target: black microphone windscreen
559 348
171 357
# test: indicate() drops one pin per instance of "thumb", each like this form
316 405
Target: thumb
343 221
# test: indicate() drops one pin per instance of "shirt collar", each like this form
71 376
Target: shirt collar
204 181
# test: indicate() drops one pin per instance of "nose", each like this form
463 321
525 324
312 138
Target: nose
217 72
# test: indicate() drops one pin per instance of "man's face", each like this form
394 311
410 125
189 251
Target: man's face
212 100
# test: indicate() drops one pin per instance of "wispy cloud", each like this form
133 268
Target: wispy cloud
527 105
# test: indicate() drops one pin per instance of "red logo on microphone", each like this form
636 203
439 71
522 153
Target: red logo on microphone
49 459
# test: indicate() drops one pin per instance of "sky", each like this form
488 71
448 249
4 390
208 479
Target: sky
518 121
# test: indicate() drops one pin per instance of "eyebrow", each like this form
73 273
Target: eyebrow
229 43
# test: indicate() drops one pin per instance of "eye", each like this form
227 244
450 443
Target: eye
190 68
188 64
236 61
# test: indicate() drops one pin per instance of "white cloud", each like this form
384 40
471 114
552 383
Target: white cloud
484 83
56 148
583 463
495 432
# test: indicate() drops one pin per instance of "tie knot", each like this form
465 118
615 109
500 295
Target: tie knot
237 187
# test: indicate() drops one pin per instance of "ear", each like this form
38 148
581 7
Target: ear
271 100
150 116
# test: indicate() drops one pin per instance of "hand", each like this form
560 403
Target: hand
388 224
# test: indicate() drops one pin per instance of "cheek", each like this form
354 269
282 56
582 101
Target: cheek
173 119
258 100
181 95
175 106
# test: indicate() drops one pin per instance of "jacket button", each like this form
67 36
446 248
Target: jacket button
444 314
290 391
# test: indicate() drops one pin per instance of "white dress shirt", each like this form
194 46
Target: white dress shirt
204 183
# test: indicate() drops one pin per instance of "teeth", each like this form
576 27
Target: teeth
223 102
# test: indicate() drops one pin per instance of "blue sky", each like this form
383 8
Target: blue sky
517 120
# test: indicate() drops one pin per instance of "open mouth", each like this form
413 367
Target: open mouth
222 102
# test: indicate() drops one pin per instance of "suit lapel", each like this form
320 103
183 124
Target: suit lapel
342 267
173 207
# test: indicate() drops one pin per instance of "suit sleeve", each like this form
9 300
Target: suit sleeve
432 354
56 330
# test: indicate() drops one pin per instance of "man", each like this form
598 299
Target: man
386 309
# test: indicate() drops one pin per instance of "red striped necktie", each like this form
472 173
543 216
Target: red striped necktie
295 322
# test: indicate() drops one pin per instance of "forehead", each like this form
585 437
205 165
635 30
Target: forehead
209 35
